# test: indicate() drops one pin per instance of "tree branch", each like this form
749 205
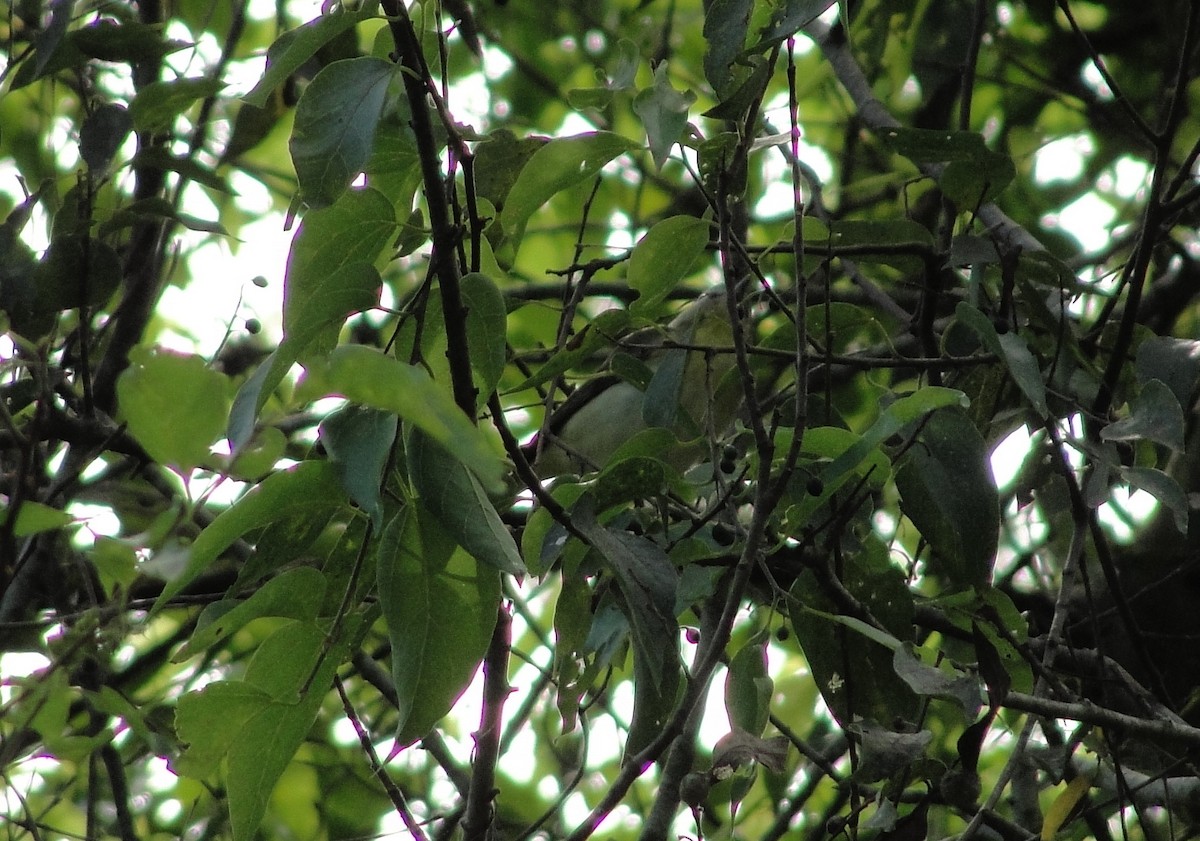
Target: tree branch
877 118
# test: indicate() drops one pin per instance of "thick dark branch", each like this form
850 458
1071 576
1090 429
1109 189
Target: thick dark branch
477 822
419 86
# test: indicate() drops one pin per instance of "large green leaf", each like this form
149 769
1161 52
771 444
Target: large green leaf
255 726
561 163
662 258
453 495
487 325
296 46
208 722
725 25
309 486
369 377
332 248
946 489
334 131
295 667
175 406
359 441
748 688
440 607
852 669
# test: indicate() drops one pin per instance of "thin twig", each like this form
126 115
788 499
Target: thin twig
399 803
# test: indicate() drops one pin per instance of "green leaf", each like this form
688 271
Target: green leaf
440 607
738 101
208 722
369 377
359 442
662 258
175 406
453 495
74 271
988 611
851 461
487 328
1163 488
315 315
158 104
789 18
293 594
1013 351
896 242
971 183
725 25
155 208
101 135
648 583
284 541
946 489
335 126
888 752
34 518
852 669
936 145
336 246
270 738
125 42
748 688
499 161
660 407
663 111
561 163
157 157
311 486
1155 415
933 682
1176 362
296 46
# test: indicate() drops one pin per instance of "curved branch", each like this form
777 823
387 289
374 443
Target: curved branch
876 117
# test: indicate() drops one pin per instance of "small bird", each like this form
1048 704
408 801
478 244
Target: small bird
685 394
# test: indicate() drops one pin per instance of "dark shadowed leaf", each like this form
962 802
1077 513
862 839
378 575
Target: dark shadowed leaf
102 133
440 607
887 752
664 113
454 496
946 489
359 441
853 670
335 126
725 26
1154 415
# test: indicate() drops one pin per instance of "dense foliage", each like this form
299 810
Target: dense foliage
298 577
